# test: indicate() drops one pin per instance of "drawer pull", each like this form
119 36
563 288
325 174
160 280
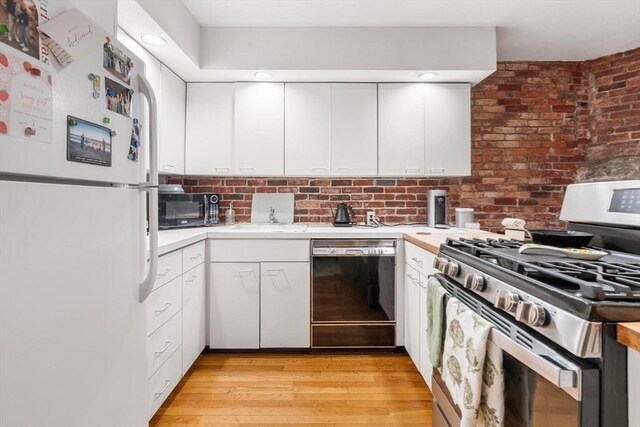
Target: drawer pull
223 170
165 348
196 256
166 386
274 272
168 166
417 260
190 280
245 272
343 170
410 276
246 170
165 308
412 170
164 272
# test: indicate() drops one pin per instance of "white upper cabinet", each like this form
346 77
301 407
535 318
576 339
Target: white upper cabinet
447 121
307 129
354 132
259 129
171 122
209 129
401 148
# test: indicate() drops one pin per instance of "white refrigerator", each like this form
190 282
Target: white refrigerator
76 261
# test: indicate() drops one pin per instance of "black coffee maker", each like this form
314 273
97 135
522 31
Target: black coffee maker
343 216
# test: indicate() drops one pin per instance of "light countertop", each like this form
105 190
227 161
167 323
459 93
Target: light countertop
432 241
425 237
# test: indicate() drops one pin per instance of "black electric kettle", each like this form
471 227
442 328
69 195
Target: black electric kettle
343 215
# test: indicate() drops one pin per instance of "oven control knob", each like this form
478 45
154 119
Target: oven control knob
453 269
443 265
475 282
530 313
438 262
507 301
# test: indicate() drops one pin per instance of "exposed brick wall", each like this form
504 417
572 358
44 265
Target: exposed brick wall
612 125
531 124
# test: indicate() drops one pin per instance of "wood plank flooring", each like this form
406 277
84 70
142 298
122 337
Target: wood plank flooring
298 389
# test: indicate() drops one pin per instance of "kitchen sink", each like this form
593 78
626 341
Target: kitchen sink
290 228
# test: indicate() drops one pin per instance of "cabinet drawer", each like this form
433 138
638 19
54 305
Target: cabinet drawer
163 303
267 250
192 255
169 267
163 342
418 258
164 381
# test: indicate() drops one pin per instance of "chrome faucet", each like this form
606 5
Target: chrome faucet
272 216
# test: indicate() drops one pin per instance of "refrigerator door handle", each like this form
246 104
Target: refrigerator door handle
151 187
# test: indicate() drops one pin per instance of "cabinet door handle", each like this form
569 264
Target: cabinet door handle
343 170
166 346
168 166
274 272
412 170
163 309
195 256
417 260
223 170
247 170
245 272
159 393
318 169
410 276
436 171
190 280
164 272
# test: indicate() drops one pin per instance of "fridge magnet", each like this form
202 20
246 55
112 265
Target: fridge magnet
88 142
19 20
26 107
118 97
117 62
134 146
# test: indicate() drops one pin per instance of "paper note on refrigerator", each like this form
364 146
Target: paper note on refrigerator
71 35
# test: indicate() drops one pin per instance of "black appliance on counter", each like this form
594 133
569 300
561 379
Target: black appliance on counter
180 210
555 317
344 215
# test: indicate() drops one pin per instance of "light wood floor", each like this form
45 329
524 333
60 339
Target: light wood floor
299 389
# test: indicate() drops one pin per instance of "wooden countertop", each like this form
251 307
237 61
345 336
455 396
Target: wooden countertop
432 241
629 335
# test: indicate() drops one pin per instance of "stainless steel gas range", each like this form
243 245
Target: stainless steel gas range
555 317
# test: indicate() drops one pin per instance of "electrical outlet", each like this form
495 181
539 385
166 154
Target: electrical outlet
371 216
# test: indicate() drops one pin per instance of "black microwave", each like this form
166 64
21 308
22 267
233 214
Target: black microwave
177 210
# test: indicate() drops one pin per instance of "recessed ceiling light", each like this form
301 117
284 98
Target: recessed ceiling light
428 76
262 75
153 40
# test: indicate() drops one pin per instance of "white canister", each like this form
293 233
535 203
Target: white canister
463 216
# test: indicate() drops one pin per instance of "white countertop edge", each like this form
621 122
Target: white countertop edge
171 240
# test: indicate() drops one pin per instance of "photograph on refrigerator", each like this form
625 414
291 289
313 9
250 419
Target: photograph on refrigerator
26 99
117 62
19 20
88 142
118 97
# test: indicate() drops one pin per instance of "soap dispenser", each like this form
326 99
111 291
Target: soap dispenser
230 215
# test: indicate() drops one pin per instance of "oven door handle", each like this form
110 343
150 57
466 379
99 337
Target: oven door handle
566 377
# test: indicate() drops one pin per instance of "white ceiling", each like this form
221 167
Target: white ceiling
526 29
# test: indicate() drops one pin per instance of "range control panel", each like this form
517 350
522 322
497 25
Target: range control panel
626 200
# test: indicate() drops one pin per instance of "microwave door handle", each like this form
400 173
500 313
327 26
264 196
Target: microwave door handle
567 377
206 209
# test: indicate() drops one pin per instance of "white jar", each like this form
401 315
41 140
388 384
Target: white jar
463 216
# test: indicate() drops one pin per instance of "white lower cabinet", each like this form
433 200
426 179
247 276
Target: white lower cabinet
412 314
193 315
418 267
284 305
175 321
234 305
259 294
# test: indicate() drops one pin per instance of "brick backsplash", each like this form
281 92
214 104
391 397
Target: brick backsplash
532 123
